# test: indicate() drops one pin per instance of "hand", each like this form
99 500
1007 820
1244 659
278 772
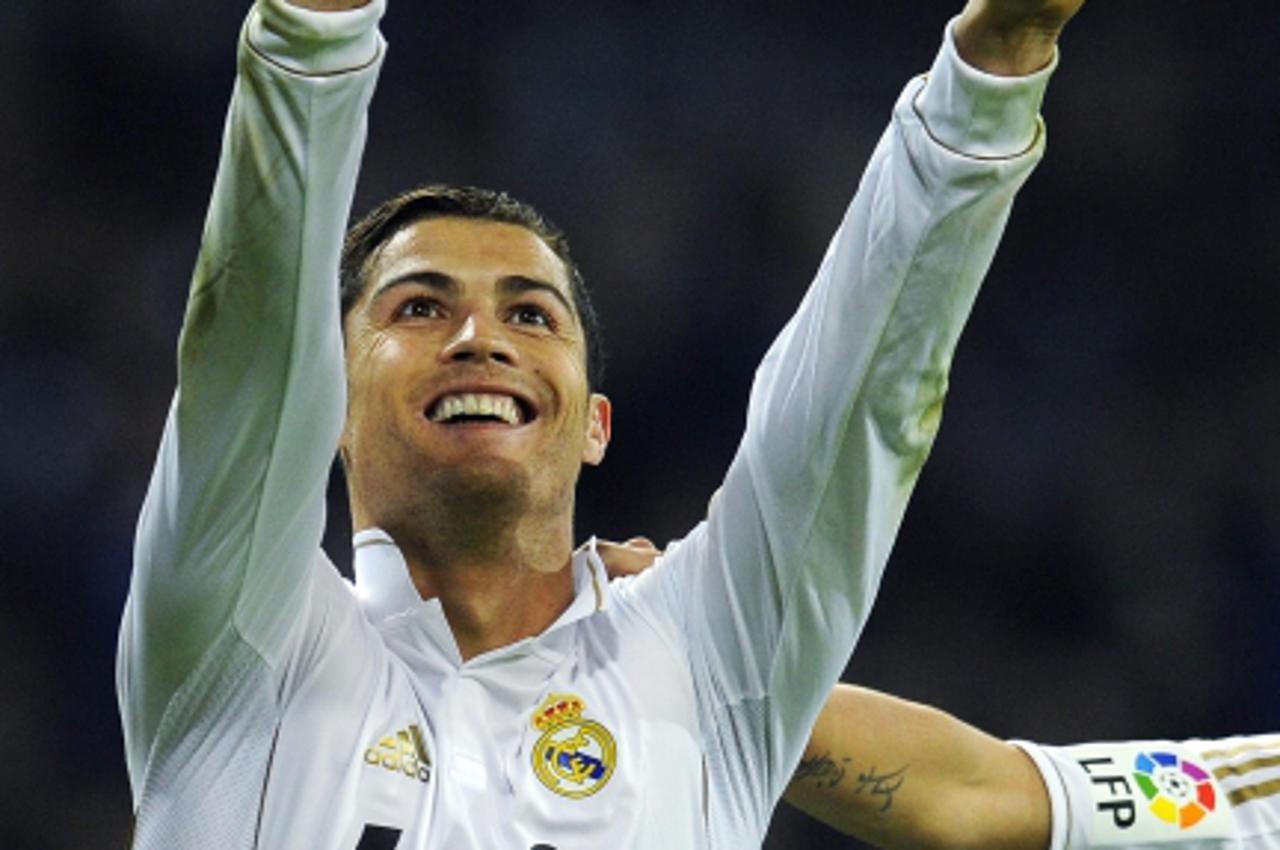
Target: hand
1012 37
629 557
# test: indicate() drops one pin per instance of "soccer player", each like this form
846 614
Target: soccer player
481 686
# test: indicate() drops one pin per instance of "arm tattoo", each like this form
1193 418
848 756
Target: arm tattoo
822 772
882 784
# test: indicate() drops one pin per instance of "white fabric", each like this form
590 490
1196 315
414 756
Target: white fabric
315 43
1059 822
267 703
1195 794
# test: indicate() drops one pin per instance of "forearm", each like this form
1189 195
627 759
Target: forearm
898 774
901 775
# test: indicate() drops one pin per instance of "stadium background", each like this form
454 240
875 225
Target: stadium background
1094 549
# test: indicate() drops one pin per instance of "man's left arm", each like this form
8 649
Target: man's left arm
898 774
843 413
904 776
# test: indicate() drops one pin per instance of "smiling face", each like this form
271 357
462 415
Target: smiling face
468 405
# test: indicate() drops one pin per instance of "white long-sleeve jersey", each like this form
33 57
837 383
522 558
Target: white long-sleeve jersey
1199 794
269 704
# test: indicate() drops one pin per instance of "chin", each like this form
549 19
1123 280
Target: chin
486 487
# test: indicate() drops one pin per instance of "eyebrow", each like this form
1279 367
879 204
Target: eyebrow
431 280
508 286
519 284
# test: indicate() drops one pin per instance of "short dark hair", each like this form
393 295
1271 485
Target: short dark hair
437 201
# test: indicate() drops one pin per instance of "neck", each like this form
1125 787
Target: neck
497 585
495 604
496 557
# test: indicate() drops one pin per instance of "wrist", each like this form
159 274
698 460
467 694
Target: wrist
315 42
1005 44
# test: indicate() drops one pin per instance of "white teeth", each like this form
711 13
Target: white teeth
503 407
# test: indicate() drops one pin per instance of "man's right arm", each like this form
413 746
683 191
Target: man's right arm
234 513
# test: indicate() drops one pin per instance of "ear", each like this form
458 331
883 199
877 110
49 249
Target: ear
599 429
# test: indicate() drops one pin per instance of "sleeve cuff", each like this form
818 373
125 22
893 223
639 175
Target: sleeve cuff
977 114
1059 816
315 43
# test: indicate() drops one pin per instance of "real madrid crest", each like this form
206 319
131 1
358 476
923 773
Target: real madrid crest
574 756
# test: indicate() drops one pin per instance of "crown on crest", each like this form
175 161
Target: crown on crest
557 709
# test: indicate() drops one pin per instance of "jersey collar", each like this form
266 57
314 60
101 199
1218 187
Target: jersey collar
384 589
383 586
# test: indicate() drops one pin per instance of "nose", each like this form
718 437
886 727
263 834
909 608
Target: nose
480 340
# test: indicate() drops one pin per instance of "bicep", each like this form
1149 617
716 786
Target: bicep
898 774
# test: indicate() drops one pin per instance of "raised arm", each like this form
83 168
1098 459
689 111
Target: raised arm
965 788
234 513
772 590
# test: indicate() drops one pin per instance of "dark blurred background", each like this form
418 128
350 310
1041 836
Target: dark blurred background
1094 549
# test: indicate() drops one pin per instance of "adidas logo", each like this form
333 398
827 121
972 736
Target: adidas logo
404 752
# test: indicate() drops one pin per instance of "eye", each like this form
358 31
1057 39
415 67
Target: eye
420 307
532 314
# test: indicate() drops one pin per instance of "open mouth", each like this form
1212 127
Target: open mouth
481 407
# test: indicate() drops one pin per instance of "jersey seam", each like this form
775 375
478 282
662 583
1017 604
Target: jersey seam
266 779
1035 137
318 75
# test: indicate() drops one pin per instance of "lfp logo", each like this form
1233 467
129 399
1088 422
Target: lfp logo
1178 791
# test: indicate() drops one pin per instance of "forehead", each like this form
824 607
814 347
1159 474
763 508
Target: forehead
469 250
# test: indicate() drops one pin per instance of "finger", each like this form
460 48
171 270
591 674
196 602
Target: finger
624 560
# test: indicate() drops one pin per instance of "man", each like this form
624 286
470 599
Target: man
898 774
483 687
